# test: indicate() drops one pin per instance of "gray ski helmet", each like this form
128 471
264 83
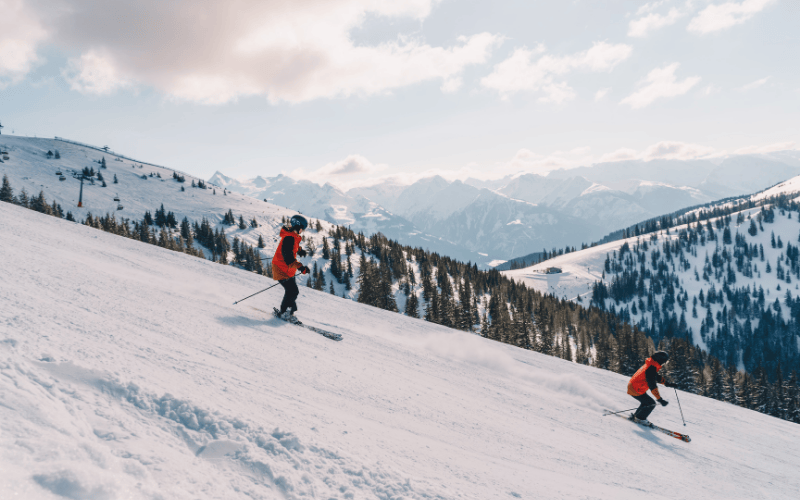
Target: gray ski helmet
660 357
298 222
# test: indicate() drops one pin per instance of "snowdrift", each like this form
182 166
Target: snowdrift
126 372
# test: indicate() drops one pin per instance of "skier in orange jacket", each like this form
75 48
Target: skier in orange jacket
645 378
285 264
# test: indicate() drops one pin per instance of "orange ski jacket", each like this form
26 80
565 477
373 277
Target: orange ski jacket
645 378
284 262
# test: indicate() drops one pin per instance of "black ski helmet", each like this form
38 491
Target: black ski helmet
298 222
660 357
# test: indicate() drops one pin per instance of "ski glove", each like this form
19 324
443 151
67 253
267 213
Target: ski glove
301 252
304 269
669 384
663 402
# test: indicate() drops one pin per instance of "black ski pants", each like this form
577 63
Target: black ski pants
647 405
290 294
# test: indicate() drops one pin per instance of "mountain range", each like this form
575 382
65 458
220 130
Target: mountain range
489 222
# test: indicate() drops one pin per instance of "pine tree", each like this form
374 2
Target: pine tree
326 251
242 225
412 306
161 216
144 232
22 199
6 192
186 232
364 281
319 278
261 243
385 296
762 397
715 380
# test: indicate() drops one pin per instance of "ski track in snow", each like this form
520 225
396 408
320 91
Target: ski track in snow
125 372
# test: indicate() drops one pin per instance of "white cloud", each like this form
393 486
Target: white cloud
710 89
600 94
649 7
526 160
521 73
723 16
769 148
20 33
353 164
452 84
342 172
642 26
205 51
93 73
660 82
619 155
755 84
673 150
663 150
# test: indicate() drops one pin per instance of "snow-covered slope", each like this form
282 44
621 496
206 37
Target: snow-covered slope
582 268
126 372
28 168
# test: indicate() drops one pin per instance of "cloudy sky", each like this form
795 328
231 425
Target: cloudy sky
350 90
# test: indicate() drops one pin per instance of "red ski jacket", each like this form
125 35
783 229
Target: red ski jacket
645 378
285 263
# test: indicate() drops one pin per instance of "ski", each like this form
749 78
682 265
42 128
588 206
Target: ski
297 322
676 435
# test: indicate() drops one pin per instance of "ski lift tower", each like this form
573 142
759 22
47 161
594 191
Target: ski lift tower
1 128
80 197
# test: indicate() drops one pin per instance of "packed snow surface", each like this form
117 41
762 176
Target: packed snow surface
126 372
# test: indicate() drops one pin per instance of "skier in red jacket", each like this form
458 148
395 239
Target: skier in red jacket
645 378
285 264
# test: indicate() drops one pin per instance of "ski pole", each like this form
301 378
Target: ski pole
623 411
264 290
679 406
